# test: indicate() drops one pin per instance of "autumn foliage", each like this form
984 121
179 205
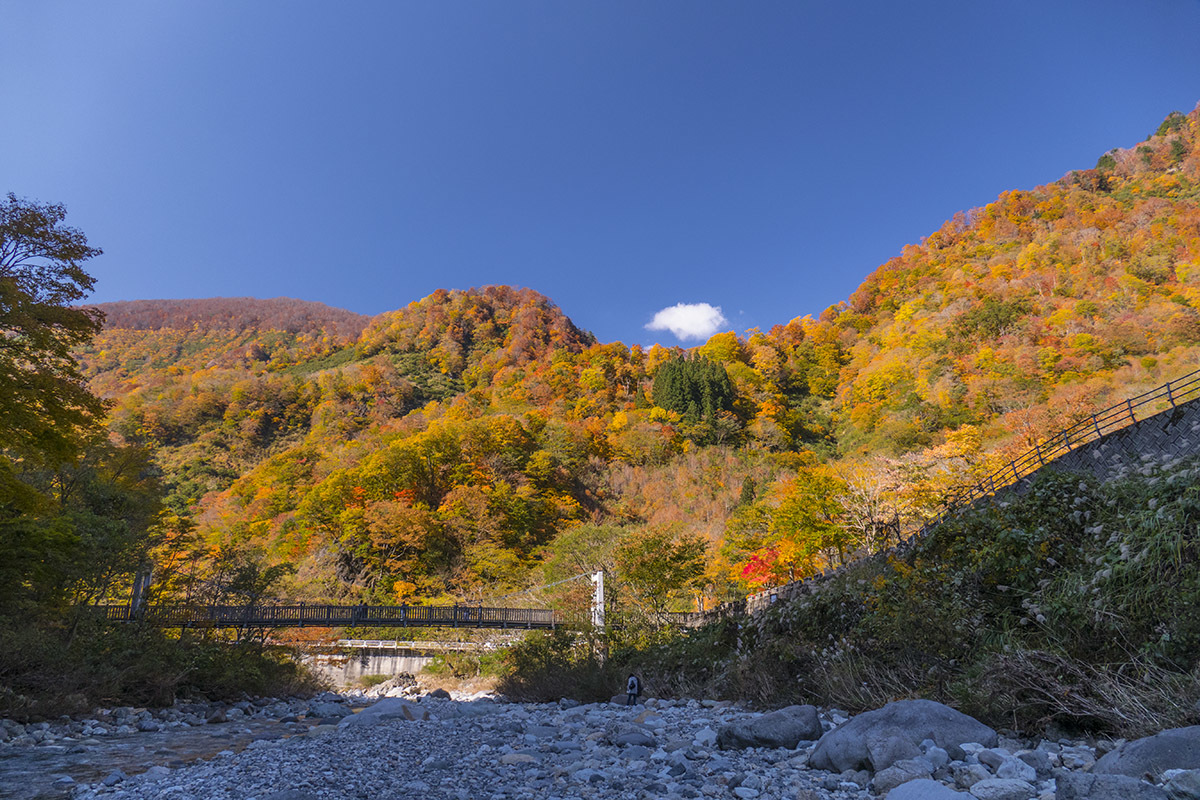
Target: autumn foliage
446 449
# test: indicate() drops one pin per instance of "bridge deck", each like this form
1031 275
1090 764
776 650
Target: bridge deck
360 616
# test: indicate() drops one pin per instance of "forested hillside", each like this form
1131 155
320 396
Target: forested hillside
1036 305
80 510
476 442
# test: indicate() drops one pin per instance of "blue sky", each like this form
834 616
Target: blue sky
620 157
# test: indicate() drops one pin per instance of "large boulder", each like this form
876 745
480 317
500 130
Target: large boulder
326 709
1089 786
783 728
386 709
877 739
1178 748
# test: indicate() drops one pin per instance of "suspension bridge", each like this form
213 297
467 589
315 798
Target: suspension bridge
360 616
307 615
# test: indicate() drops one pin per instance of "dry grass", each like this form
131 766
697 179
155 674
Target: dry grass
479 683
857 682
1034 689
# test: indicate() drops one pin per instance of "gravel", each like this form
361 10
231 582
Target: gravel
479 748
485 750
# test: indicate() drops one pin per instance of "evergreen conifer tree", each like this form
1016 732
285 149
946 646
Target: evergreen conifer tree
695 387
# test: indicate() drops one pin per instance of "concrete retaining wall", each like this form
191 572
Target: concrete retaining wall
1169 434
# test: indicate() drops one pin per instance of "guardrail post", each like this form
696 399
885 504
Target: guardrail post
1096 425
1170 396
1129 406
1038 448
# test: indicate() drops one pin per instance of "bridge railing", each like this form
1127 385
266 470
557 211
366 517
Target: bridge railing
273 615
416 644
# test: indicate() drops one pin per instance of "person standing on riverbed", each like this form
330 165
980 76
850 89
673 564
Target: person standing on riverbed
633 687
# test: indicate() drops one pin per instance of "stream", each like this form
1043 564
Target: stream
37 772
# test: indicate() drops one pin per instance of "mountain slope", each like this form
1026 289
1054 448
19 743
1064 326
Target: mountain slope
146 341
1037 306
251 417
233 313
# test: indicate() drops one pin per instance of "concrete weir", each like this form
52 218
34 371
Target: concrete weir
346 668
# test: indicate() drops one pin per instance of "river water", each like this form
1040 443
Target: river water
36 772
33 772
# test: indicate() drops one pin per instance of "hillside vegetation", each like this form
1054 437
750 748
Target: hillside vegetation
477 442
1073 608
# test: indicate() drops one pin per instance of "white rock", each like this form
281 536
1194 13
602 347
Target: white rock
517 758
1003 789
386 709
705 737
938 757
1013 767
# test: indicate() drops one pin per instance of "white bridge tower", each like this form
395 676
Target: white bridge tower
598 600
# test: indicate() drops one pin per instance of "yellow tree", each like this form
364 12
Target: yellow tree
807 525
659 564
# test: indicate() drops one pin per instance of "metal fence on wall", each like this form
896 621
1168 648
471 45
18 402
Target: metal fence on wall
1089 429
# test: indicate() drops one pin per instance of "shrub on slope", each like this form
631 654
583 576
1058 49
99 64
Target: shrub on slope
1076 604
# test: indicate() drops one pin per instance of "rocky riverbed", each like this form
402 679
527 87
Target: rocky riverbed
482 749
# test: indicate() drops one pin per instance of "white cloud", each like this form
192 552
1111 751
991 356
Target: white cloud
689 320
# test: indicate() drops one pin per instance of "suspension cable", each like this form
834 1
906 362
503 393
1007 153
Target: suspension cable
533 589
